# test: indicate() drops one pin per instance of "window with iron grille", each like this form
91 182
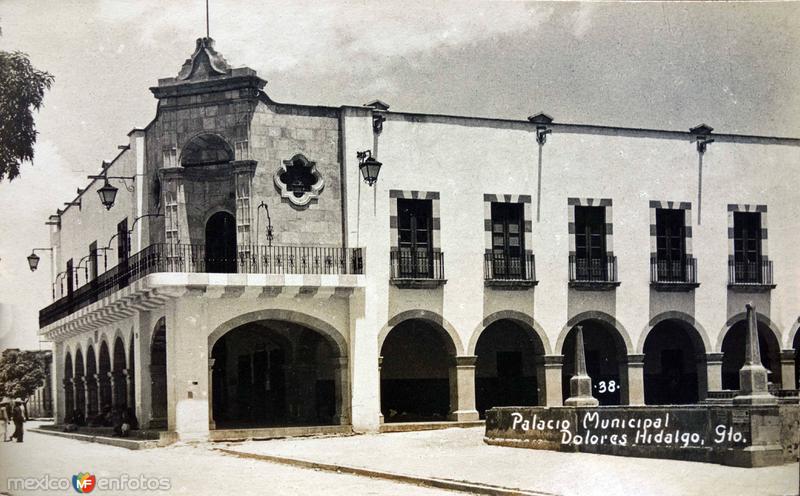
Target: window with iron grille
414 226
508 240
670 244
747 246
590 243
243 218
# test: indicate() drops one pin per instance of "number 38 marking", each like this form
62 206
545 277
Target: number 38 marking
607 387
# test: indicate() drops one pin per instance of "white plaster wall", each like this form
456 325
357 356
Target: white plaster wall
464 159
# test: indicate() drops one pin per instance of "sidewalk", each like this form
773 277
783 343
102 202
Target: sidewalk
460 454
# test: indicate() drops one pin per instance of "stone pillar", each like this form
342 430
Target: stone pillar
714 371
131 399
380 392
552 366
57 378
211 423
753 375
86 398
580 385
702 377
787 369
342 387
634 389
462 389
113 383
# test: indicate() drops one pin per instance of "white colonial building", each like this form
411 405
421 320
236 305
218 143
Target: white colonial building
247 277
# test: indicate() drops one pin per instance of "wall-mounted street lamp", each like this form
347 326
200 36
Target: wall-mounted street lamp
33 258
369 167
700 134
107 192
269 223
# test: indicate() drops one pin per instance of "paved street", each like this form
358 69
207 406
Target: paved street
454 454
192 470
461 454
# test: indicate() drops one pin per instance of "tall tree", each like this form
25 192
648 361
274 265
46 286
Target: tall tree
22 90
21 373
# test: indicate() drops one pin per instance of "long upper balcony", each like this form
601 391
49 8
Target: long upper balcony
250 259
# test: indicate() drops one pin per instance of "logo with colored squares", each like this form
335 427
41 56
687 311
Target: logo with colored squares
84 482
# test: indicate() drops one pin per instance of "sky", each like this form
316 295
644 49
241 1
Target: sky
734 66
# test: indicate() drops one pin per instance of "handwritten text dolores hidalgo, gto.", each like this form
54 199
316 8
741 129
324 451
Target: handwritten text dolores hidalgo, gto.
606 430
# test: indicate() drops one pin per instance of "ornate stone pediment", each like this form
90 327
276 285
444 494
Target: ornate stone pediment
204 62
298 180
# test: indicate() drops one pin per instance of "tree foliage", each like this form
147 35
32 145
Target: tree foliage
21 373
22 90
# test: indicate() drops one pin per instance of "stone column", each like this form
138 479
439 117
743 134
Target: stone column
342 388
634 389
714 371
702 377
211 423
57 378
113 383
753 375
462 389
131 399
787 369
99 393
86 397
380 392
552 366
580 385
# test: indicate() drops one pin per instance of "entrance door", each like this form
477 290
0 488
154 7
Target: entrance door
221 243
414 231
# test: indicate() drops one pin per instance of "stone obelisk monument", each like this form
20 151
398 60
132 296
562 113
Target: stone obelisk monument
580 384
753 375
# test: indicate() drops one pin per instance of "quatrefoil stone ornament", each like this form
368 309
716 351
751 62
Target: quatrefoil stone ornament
298 180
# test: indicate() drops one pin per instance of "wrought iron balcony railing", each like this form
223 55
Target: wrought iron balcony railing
751 274
674 275
250 259
416 268
500 268
593 270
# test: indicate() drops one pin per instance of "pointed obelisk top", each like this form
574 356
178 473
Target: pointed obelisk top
580 384
753 388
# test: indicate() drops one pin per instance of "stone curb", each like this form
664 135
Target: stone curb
449 484
130 444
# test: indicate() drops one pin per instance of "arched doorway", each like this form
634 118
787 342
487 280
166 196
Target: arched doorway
733 348
671 352
104 382
69 391
91 383
605 353
415 372
120 389
506 369
80 391
158 376
221 243
273 373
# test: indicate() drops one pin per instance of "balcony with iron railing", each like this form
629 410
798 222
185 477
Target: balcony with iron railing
597 274
678 275
750 276
189 258
504 271
416 268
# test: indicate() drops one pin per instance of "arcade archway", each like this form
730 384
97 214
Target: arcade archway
104 380
507 368
605 353
80 390
120 389
272 373
733 349
158 375
69 392
671 364
415 372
